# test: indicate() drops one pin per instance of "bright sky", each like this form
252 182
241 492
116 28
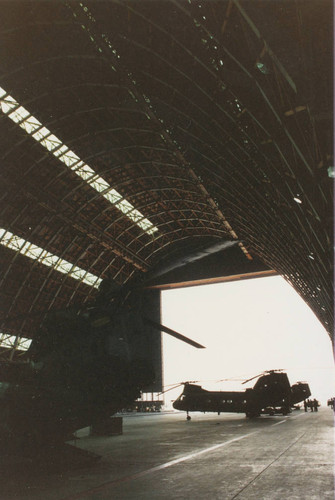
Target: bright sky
247 327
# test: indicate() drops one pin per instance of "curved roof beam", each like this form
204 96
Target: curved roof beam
24 247
19 115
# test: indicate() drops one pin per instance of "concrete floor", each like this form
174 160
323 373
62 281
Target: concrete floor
162 456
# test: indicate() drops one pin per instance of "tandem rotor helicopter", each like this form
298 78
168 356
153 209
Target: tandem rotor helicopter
86 363
272 393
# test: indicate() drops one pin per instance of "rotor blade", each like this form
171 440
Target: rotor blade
170 389
263 373
252 378
175 334
229 380
175 386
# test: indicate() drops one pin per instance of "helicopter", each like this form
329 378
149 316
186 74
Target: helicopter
82 366
88 362
272 393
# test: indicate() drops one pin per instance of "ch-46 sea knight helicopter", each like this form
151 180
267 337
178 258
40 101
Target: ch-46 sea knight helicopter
272 393
83 365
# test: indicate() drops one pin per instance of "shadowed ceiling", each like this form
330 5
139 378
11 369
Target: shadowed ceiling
137 134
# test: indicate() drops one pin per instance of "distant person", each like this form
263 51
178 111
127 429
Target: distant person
315 404
305 405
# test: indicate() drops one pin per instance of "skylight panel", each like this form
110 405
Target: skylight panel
64 267
8 104
19 115
125 206
70 159
136 215
30 125
7 341
34 252
113 196
100 185
146 225
60 151
79 273
40 134
49 260
22 344
51 142
90 280
84 170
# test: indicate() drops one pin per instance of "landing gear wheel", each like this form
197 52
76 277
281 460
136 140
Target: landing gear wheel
188 417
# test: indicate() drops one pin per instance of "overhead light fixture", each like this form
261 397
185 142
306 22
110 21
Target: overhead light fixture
262 68
295 110
331 172
24 247
297 200
33 127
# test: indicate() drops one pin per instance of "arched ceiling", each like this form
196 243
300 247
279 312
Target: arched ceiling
133 134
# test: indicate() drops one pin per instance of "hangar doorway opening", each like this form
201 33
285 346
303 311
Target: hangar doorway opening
247 327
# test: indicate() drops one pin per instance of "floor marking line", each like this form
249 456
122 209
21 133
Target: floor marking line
269 465
300 415
157 467
278 423
288 419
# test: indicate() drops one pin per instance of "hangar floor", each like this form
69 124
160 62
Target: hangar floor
162 456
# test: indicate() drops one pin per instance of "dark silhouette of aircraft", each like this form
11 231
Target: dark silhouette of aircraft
82 366
271 393
86 363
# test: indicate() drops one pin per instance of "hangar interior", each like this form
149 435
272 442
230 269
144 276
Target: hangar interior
154 144
148 145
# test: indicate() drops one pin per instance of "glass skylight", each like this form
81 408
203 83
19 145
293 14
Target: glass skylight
23 343
262 68
331 172
19 115
32 251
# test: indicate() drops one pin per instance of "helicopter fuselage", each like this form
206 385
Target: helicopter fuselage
272 390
